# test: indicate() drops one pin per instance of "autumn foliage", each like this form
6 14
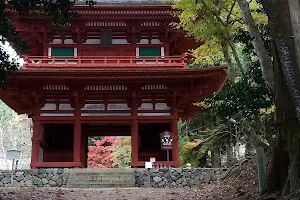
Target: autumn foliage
101 153
109 152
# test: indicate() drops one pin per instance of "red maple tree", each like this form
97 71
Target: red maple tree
101 153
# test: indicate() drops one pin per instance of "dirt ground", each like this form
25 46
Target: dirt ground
240 184
207 193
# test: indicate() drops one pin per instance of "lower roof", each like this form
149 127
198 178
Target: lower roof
26 81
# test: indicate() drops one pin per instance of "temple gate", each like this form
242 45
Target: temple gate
114 70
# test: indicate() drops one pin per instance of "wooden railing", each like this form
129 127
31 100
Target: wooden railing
104 61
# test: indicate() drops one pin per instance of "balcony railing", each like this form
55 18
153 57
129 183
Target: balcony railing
104 61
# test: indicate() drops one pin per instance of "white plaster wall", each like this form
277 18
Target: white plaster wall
144 41
56 41
106 114
92 41
49 106
161 106
154 114
117 107
57 114
146 106
155 41
69 41
65 107
93 107
120 41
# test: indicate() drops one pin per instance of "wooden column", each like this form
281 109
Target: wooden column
77 132
175 150
77 142
134 131
84 144
174 131
35 144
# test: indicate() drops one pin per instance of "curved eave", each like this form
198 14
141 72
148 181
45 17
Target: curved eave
118 74
209 81
151 9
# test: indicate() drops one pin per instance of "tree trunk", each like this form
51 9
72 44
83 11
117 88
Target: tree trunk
284 173
261 166
230 70
258 43
236 56
282 34
285 169
215 153
248 148
215 157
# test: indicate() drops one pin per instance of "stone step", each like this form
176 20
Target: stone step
114 178
98 170
101 178
128 178
102 182
100 185
103 174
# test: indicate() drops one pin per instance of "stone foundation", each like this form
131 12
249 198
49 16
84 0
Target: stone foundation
159 177
50 177
179 177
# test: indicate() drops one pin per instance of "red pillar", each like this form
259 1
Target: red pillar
175 150
77 132
134 141
83 152
77 143
134 132
174 130
35 144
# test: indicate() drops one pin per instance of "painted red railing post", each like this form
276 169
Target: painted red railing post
104 61
26 60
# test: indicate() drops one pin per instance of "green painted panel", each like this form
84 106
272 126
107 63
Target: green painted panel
67 52
150 52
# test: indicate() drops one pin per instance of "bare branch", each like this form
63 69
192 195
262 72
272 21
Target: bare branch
230 12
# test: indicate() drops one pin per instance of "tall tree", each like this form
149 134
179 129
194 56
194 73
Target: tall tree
284 175
211 21
258 43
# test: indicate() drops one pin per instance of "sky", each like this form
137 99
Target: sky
6 46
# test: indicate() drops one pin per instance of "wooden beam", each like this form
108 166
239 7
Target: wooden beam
58 164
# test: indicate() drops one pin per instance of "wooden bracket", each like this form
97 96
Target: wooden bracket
77 101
